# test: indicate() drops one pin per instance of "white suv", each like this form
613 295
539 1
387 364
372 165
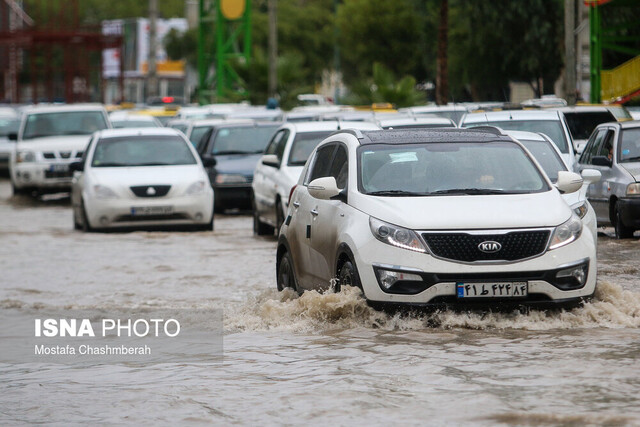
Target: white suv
280 168
49 140
431 217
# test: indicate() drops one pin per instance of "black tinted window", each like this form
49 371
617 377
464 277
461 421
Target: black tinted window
303 145
581 124
322 163
340 167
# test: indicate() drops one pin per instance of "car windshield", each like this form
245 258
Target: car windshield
581 124
63 123
447 168
551 128
303 145
142 150
630 146
242 140
197 133
118 124
8 125
547 156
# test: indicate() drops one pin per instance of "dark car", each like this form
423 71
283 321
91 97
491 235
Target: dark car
236 148
614 150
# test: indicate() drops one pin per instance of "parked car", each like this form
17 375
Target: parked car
614 150
582 120
121 119
435 217
9 123
551 123
550 159
280 167
50 138
132 178
235 148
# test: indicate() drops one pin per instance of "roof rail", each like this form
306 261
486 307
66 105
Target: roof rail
486 128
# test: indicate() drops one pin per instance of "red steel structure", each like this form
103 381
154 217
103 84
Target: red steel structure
47 56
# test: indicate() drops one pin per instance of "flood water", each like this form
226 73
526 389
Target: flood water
316 359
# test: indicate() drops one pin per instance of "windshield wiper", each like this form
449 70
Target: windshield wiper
631 159
110 165
470 191
394 193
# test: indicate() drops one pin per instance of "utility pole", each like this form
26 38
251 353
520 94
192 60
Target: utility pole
570 51
442 81
152 77
273 48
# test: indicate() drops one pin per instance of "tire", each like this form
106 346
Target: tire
76 224
622 232
20 191
348 276
279 217
259 228
86 227
286 276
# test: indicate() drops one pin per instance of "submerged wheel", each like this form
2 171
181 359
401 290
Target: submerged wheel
348 276
86 227
279 217
622 232
286 277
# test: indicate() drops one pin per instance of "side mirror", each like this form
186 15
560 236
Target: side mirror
324 188
568 182
270 160
208 161
591 176
601 161
13 136
76 166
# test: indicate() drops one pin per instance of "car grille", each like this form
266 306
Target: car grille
52 155
58 174
143 218
150 190
49 155
515 245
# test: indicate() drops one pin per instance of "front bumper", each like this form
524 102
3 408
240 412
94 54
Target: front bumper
630 211
42 176
161 211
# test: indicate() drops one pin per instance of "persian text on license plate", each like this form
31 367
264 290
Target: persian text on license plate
152 210
492 290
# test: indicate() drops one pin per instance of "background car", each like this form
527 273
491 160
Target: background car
9 124
582 120
614 150
415 123
235 149
280 167
122 119
140 178
435 217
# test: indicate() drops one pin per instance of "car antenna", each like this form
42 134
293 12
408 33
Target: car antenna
338 120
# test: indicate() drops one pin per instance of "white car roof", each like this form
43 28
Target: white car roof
160 131
406 121
314 126
132 116
492 116
434 108
36 109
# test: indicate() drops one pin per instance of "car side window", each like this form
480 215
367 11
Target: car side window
321 163
340 167
593 146
276 146
606 148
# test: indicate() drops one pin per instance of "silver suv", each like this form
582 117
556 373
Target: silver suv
614 150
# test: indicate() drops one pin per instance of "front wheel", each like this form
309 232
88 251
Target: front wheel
86 227
348 276
622 232
286 277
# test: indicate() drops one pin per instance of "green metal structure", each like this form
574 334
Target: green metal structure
223 38
612 38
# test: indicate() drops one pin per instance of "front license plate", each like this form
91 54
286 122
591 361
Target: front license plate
59 167
152 210
492 290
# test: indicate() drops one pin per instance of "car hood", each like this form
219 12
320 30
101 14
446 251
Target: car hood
633 169
52 143
242 164
178 175
467 212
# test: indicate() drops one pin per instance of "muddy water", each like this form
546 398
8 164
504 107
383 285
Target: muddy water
315 359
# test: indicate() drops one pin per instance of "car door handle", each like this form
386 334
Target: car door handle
296 204
314 212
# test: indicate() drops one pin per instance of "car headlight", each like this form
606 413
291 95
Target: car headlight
567 232
396 236
580 209
223 178
25 156
103 192
196 188
633 189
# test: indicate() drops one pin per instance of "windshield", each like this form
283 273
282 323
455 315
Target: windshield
242 140
630 146
303 145
583 123
547 156
447 168
552 128
142 150
63 123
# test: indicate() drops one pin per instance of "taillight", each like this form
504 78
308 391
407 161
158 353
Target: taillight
291 192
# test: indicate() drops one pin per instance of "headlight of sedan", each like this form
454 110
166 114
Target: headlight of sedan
633 189
196 188
25 157
580 209
103 192
566 233
223 178
396 236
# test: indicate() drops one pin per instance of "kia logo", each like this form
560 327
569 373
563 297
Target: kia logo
489 247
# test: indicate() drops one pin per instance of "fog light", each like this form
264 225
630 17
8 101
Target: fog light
388 278
26 176
573 277
104 220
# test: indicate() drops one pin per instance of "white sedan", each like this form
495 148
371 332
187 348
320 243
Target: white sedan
140 178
